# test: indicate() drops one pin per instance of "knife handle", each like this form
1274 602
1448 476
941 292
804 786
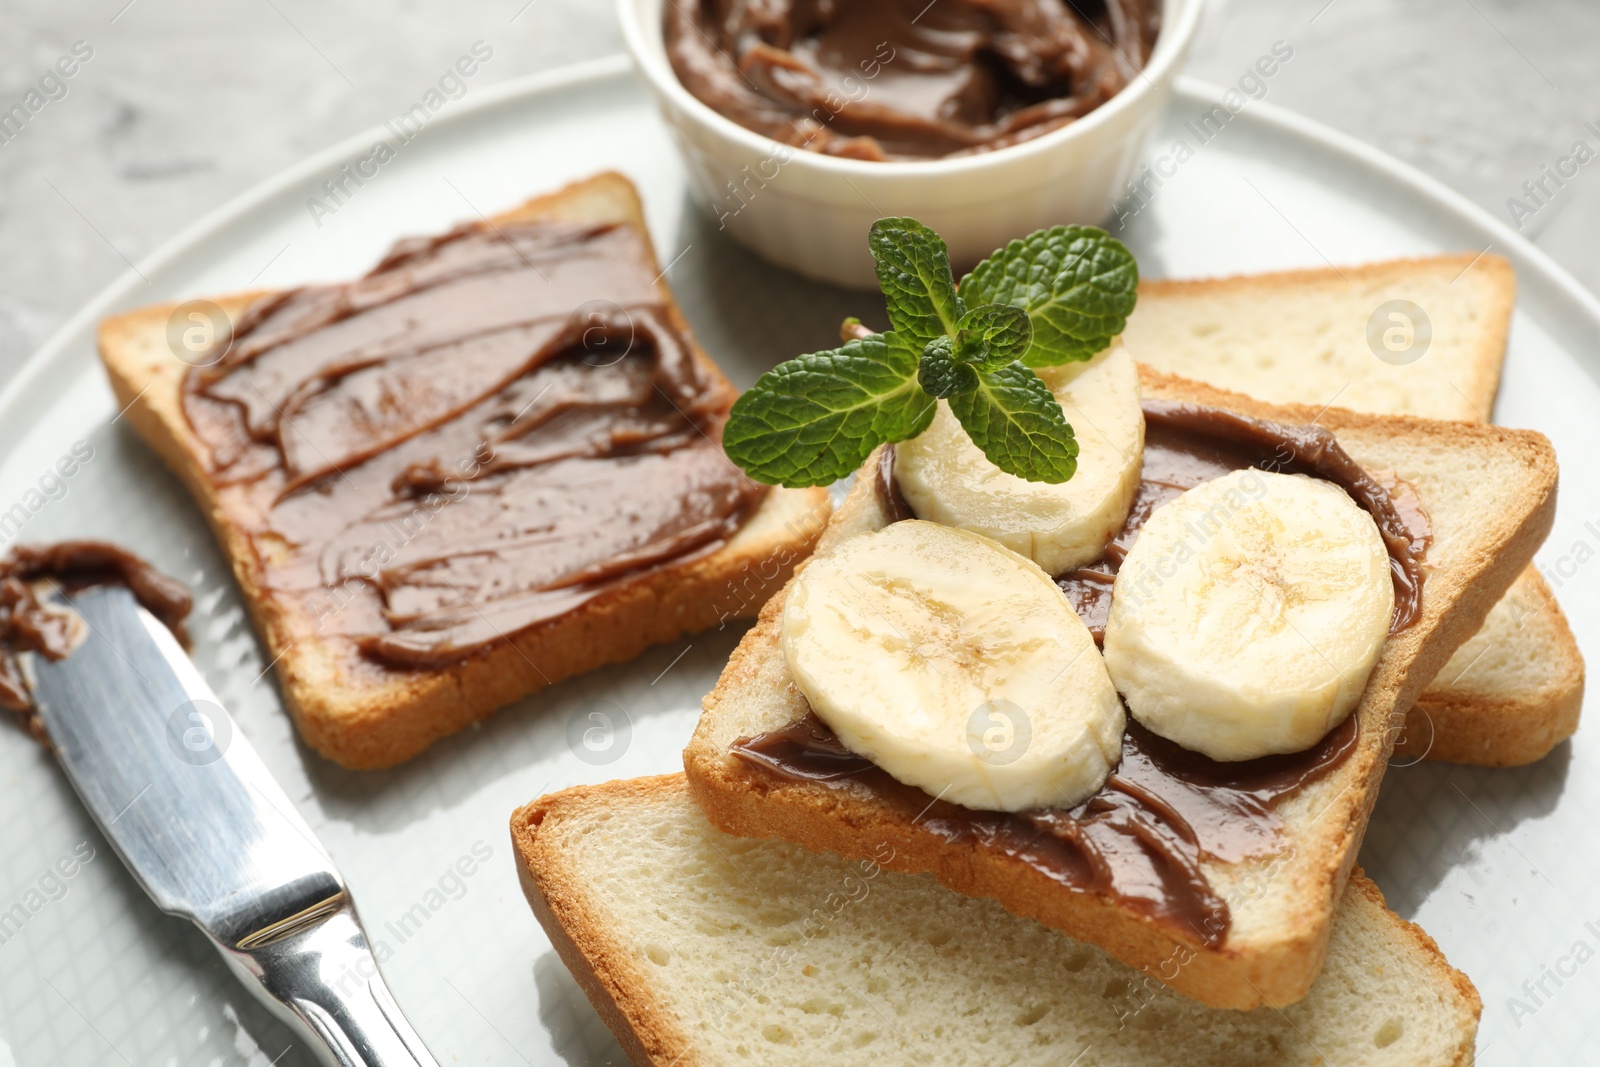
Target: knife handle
321 979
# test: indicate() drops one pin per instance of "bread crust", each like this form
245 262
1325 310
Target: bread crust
365 716
1271 957
606 971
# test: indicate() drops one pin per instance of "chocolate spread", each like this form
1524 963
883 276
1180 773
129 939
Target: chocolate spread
1142 837
28 624
482 434
1186 444
907 79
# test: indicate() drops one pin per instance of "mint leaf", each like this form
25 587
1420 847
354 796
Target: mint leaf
914 274
813 420
941 375
1018 423
993 335
1078 285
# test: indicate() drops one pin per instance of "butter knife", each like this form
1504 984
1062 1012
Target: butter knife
197 818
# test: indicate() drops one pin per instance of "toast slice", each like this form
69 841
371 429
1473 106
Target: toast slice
1300 337
1515 690
1509 695
364 715
703 950
1490 493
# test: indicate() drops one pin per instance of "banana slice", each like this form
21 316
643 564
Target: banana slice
956 665
1249 613
945 478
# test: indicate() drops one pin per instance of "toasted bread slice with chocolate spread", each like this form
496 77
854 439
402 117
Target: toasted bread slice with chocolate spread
1490 496
703 950
1515 689
364 716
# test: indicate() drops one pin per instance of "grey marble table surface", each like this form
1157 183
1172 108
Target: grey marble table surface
180 105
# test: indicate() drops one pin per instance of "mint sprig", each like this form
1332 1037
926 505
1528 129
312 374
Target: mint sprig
1057 296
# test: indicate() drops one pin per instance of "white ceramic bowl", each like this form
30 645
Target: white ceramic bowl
810 212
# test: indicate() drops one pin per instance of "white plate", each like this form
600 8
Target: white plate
1498 865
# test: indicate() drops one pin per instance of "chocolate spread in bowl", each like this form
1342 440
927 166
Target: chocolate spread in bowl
487 431
1142 838
907 79
28 624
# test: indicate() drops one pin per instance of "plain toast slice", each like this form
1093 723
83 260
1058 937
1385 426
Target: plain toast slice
704 950
1509 695
1301 337
1490 495
362 715
1515 689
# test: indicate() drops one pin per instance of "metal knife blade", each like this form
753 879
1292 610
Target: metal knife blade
196 816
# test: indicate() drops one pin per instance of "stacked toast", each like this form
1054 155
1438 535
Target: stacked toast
726 914
730 915
1282 907
1512 691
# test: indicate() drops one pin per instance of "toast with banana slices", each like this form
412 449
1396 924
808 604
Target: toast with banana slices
1489 493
